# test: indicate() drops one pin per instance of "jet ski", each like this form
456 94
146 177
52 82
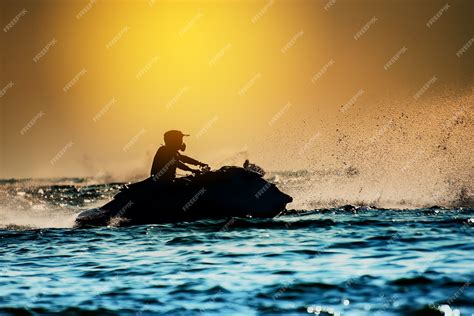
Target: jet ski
230 191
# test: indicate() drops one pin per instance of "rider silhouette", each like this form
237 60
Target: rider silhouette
168 158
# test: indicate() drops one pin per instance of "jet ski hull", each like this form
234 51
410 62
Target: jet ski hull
227 192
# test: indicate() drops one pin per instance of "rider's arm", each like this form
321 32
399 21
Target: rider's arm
186 159
182 166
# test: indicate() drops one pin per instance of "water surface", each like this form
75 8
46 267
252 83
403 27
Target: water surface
337 261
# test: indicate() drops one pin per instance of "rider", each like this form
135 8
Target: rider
168 158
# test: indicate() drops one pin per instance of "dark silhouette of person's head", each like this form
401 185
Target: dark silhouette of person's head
174 140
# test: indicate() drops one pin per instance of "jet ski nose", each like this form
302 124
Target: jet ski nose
287 198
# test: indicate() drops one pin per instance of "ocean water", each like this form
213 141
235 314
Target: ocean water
336 261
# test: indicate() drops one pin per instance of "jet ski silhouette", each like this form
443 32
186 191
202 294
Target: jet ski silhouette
227 192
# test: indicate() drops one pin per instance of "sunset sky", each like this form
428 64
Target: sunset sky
89 87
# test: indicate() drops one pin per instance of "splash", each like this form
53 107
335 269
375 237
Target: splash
34 217
405 154
52 203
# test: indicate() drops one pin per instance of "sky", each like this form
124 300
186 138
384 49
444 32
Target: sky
377 88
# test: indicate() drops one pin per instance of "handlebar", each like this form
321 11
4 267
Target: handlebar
202 170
